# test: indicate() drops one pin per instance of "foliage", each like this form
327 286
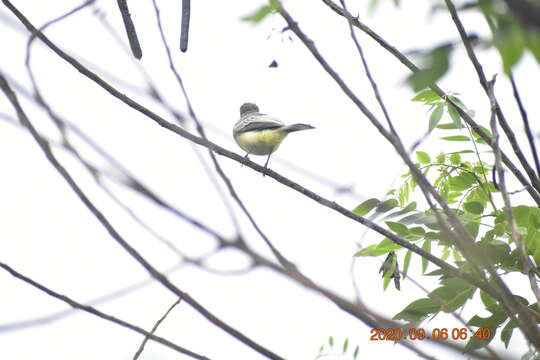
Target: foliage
261 13
331 349
462 178
513 33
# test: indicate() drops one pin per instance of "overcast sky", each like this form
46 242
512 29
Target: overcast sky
47 234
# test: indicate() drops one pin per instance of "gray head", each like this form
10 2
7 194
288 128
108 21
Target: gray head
248 108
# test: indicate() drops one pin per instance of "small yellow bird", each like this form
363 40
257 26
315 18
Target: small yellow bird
260 134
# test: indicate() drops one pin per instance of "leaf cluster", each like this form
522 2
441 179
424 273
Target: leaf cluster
464 181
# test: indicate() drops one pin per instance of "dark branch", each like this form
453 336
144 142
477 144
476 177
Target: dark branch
130 29
184 32
100 314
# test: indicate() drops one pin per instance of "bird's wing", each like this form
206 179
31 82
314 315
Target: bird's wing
254 122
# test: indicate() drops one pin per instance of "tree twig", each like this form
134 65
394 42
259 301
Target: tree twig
102 315
141 347
413 68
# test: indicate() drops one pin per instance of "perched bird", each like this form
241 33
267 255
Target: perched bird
260 134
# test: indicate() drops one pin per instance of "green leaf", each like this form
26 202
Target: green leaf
409 208
446 253
406 263
472 227
510 42
506 333
426 246
453 294
532 242
456 138
461 105
426 96
532 39
419 218
398 228
356 351
260 14
496 251
418 310
403 194
447 126
455 159
387 205
491 322
435 116
388 245
423 157
331 341
475 343
474 207
417 230
487 299
371 250
484 129
454 115
345 345
461 182
437 63
521 214
366 206
456 255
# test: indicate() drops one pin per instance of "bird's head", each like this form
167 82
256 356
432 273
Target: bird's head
247 108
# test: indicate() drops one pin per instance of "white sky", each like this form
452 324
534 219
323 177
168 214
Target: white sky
47 234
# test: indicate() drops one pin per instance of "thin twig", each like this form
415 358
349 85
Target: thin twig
482 78
116 236
526 124
362 314
370 78
528 267
282 260
462 238
141 347
413 68
102 315
241 159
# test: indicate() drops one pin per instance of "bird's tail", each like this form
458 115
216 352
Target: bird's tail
296 127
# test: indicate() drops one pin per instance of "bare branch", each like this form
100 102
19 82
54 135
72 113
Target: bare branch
100 314
526 124
141 347
116 236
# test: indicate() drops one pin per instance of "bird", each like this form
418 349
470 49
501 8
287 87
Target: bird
260 134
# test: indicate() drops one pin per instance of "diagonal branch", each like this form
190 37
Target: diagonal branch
482 78
93 311
45 147
526 124
219 150
413 68
228 183
461 236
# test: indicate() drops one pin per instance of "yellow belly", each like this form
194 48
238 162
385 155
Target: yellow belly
260 142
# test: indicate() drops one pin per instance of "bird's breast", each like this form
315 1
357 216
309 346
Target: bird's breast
260 142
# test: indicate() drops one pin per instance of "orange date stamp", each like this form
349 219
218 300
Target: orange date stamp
442 334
